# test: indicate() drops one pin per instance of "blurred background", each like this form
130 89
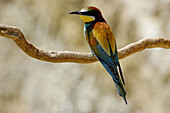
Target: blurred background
31 86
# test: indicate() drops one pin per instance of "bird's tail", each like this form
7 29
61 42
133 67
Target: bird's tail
121 91
118 82
116 78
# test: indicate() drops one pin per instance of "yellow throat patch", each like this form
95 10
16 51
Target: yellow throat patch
87 18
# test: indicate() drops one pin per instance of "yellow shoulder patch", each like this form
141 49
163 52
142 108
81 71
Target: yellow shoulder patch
104 36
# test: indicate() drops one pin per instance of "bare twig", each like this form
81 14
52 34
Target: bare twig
76 57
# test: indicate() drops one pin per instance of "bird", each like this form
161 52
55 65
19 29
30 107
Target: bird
102 44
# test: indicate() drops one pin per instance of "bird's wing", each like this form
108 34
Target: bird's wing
104 36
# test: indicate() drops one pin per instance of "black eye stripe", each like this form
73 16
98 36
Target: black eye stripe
89 13
84 13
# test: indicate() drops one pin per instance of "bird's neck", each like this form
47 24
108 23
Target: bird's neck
89 25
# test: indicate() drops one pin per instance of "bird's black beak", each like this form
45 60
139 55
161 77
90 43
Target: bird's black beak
75 12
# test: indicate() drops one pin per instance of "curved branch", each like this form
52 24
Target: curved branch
76 57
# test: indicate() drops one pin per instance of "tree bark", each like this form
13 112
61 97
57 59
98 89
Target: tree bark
76 57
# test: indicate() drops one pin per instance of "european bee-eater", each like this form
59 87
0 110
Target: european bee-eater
102 44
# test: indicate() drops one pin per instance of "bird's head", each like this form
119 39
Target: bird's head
89 14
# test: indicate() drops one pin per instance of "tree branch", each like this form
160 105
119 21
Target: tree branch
76 57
